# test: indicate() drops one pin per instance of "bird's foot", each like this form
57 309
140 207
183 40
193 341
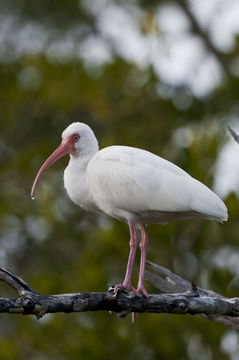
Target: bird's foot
141 291
124 287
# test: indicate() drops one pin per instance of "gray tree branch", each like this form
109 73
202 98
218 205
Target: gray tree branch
188 299
168 282
222 58
233 134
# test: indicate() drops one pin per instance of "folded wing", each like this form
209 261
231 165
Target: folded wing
138 181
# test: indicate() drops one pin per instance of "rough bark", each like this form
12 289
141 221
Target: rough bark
168 282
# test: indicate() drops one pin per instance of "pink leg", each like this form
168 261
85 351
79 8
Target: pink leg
133 247
143 246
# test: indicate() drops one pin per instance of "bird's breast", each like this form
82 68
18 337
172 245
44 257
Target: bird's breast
77 188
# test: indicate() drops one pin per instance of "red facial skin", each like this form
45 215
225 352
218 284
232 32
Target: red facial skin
67 147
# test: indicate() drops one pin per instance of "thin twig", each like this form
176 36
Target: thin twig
221 57
14 281
234 135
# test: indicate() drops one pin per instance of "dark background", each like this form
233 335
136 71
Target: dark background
158 75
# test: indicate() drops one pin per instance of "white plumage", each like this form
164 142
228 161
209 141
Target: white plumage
132 185
135 185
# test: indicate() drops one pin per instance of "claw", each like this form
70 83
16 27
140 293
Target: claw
141 291
126 288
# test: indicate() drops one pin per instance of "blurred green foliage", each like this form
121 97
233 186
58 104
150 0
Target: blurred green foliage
54 245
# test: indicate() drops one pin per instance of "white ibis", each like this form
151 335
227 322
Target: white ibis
131 185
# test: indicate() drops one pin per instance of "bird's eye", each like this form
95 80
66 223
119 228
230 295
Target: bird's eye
76 137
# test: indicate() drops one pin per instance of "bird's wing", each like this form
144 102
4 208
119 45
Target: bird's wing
138 181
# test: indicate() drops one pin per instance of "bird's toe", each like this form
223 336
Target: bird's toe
124 287
141 291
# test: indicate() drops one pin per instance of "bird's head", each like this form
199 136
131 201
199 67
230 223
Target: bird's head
77 140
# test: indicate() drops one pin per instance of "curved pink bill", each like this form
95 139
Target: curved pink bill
64 149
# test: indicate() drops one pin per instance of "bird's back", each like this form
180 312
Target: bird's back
134 184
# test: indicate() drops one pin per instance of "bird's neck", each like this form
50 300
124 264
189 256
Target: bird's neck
75 181
81 157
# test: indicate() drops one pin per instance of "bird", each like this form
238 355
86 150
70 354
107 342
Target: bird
132 185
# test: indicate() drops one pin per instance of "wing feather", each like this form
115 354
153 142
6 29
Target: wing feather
137 181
